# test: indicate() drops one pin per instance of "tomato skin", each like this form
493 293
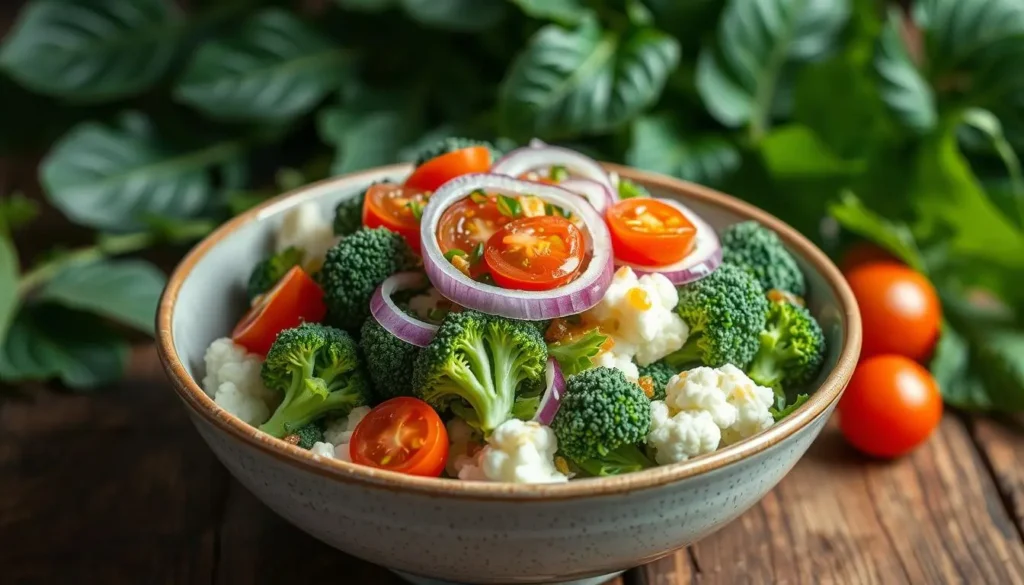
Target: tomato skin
545 272
379 211
439 170
891 406
294 299
863 253
387 430
649 247
899 309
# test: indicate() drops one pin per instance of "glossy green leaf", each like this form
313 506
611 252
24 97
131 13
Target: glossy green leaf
16 211
950 366
371 130
1010 201
9 271
565 12
905 92
111 177
273 67
91 50
659 145
584 80
745 76
893 236
795 151
366 5
123 290
456 15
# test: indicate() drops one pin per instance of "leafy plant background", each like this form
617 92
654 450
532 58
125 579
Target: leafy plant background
901 123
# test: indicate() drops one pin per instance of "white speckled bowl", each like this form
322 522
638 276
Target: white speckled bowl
434 530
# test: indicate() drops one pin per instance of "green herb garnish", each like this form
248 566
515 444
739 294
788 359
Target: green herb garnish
559 173
509 206
451 254
478 197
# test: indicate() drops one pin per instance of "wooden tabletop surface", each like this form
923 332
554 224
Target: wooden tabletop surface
116 487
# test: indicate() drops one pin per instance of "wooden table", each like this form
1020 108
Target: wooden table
116 487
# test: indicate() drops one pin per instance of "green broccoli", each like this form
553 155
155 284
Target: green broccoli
308 435
348 214
317 369
758 249
726 311
451 144
660 373
575 354
792 348
496 365
601 420
355 267
388 360
270 270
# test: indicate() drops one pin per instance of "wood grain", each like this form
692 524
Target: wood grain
1002 446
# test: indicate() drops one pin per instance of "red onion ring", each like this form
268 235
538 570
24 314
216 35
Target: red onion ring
531 158
553 392
704 259
395 320
579 295
597 194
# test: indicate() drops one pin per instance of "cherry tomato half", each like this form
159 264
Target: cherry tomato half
891 405
294 299
403 434
899 309
441 169
535 253
649 232
469 223
397 208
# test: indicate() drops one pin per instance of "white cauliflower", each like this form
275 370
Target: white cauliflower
233 381
701 389
339 431
678 437
464 445
305 227
613 359
753 406
638 314
517 452
323 449
426 303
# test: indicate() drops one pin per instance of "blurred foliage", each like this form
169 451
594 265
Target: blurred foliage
850 119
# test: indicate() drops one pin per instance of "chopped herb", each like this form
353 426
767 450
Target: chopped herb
509 206
478 253
559 173
629 189
486 279
450 254
550 209
478 197
416 208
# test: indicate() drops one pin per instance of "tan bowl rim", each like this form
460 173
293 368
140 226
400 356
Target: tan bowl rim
828 393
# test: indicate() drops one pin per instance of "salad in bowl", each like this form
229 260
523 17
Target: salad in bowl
526 317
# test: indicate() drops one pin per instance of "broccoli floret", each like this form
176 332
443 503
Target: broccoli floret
348 214
388 360
575 354
758 249
792 348
355 267
308 435
726 312
270 270
451 144
660 373
317 369
601 420
495 365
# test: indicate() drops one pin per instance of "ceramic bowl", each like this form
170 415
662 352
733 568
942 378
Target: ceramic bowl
437 530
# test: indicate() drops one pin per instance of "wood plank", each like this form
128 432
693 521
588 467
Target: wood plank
1002 445
933 517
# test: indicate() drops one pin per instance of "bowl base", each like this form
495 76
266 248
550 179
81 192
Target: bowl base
416 580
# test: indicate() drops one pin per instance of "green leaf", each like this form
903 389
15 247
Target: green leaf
950 366
456 15
659 145
584 81
273 67
366 5
48 341
576 355
9 271
16 211
779 414
795 151
111 177
1000 364
564 12
892 236
744 77
91 50
905 92
1012 204
370 131
123 290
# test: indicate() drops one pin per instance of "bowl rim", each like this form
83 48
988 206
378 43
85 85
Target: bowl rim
203 406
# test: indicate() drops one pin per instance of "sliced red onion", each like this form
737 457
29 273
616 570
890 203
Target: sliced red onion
597 194
579 295
533 158
395 320
553 392
703 259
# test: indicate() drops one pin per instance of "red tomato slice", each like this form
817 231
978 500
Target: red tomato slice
649 232
535 253
397 208
441 169
294 299
403 434
467 225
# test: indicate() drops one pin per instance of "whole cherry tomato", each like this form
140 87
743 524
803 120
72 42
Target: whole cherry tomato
899 309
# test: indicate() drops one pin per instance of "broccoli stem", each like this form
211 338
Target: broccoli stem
625 459
687 355
307 398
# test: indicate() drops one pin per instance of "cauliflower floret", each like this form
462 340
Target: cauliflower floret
305 227
753 405
339 431
517 452
465 444
686 434
323 449
638 314
423 305
701 389
621 361
233 381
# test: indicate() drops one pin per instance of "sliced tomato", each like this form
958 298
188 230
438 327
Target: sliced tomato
441 169
649 232
294 299
403 434
467 225
535 253
396 207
